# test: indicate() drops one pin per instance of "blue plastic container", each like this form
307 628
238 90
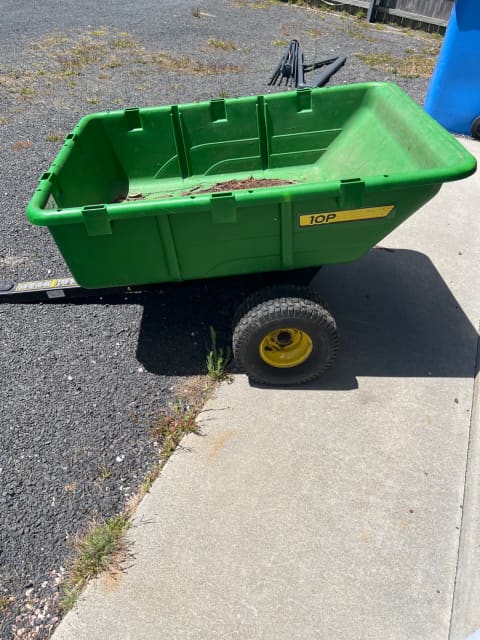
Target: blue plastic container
453 97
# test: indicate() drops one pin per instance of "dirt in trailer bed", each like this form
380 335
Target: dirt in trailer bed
82 383
236 185
219 187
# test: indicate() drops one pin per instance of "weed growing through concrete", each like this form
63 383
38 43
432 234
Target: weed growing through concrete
100 549
218 359
169 428
150 478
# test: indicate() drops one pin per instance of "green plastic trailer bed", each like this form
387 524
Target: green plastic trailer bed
244 185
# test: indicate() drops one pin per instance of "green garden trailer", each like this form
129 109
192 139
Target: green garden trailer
238 186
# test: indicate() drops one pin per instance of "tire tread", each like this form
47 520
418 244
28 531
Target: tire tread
274 303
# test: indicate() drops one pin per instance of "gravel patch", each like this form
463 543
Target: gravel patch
83 382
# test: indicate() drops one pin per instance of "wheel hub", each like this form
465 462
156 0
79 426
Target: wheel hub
285 347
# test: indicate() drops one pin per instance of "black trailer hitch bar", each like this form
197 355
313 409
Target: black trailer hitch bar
57 290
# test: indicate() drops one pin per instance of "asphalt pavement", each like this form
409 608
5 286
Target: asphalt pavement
348 509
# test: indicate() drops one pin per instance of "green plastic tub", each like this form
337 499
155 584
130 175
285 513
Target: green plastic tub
127 199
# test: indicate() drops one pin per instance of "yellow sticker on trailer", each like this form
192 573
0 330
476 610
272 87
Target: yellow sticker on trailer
350 215
41 285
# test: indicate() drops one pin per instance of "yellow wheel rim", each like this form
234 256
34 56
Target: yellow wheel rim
285 347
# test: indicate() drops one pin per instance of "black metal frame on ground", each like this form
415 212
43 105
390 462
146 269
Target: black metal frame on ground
291 69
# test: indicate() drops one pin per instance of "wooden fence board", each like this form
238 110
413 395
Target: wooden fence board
430 8
434 12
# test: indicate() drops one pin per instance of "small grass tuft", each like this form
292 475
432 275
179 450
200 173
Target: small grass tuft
218 359
99 550
80 55
125 43
27 92
150 478
196 13
113 63
416 65
280 43
105 473
54 137
4 120
5 603
224 45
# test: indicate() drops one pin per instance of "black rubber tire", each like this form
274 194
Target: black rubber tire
282 290
277 307
476 128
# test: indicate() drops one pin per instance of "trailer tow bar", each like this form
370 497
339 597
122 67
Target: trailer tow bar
54 289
